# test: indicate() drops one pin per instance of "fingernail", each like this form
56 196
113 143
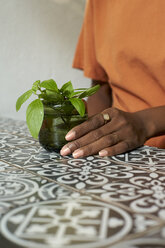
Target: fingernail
78 154
65 151
71 135
103 153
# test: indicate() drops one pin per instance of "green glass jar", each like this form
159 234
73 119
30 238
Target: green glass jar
58 120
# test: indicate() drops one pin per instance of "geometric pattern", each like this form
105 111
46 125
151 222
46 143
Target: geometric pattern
65 223
51 201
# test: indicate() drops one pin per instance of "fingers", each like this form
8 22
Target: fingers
88 138
115 149
119 135
92 147
92 123
95 147
92 136
118 148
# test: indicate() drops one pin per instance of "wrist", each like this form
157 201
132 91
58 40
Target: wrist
153 120
144 125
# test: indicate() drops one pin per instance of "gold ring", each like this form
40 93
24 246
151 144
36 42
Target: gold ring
106 118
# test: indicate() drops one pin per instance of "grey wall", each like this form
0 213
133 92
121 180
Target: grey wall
37 41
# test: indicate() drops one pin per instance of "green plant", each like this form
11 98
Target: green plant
49 94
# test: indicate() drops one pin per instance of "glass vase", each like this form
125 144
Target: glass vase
58 120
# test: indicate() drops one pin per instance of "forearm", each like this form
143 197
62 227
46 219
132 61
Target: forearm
154 121
101 100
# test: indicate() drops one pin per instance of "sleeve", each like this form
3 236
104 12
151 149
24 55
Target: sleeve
85 55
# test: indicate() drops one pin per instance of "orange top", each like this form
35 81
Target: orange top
123 42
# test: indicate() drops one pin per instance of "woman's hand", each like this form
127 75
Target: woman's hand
123 132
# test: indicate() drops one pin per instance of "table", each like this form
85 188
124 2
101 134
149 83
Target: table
49 201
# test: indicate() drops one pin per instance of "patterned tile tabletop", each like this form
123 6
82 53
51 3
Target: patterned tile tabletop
49 201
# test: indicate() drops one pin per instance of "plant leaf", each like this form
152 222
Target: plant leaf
34 117
90 91
35 86
79 105
67 89
67 108
81 89
23 98
76 94
53 96
49 85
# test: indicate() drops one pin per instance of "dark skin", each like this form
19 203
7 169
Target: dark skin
124 132
102 99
